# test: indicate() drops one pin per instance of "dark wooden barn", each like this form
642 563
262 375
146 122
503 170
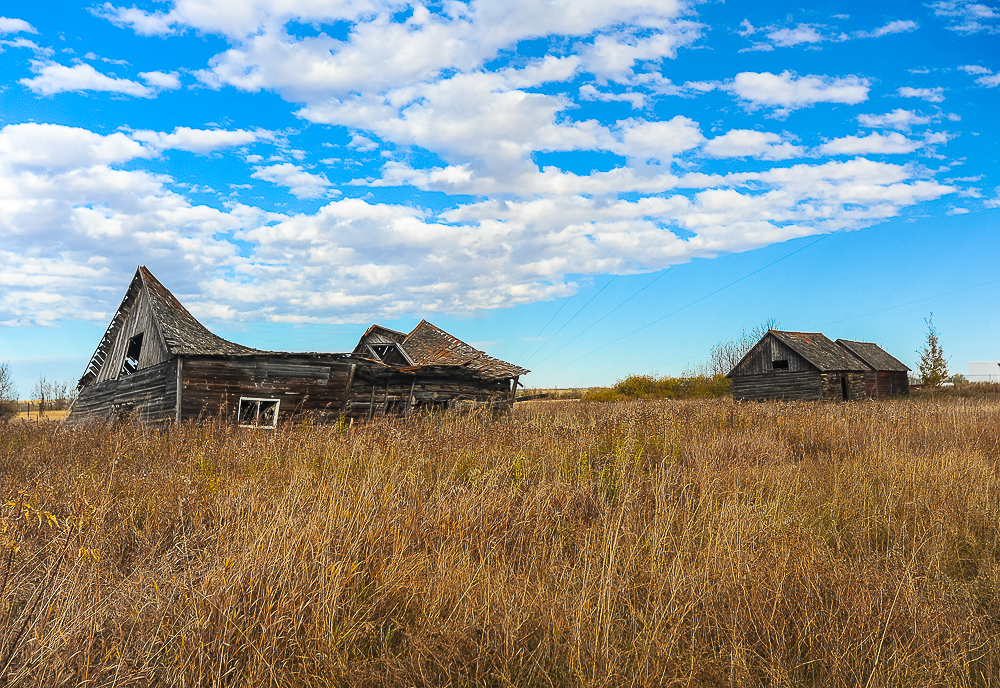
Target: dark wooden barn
156 362
885 375
798 365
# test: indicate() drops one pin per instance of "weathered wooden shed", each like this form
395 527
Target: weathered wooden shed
798 365
886 376
156 362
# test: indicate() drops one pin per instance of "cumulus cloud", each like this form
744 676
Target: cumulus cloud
199 140
789 91
11 25
302 184
803 33
739 143
55 78
362 144
931 95
893 143
897 119
968 16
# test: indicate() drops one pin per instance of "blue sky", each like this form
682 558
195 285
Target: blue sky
588 188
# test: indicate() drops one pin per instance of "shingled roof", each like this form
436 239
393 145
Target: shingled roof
182 334
873 355
820 350
430 345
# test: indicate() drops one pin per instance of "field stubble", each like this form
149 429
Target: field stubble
644 543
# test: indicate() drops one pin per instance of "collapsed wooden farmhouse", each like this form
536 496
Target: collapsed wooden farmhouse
809 366
156 362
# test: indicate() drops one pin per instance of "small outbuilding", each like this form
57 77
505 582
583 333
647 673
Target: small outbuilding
156 362
886 375
798 365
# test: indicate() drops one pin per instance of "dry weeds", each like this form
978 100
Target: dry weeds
699 543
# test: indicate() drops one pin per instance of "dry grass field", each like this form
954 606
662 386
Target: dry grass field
695 543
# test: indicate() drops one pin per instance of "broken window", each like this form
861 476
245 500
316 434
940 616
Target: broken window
779 365
258 413
131 362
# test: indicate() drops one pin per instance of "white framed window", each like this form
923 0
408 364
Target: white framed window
258 413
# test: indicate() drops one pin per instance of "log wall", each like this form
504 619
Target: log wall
786 386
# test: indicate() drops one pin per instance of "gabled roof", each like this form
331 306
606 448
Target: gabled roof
182 334
430 345
819 350
873 355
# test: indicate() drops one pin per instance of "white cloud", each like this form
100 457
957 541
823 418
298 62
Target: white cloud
803 33
898 26
931 95
161 80
200 140
302 184
968 16
892 143
362 144
974 69
10 25
897 119
56 78
789 91
956 211
739 143
660 141
57 147
990 81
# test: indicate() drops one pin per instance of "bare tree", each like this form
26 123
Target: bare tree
724 356
8 393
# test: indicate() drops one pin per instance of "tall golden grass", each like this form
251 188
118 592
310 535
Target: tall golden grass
700 543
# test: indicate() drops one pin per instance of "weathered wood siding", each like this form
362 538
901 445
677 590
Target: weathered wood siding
380 391
886 383
212 386
761 359
782 385
149 395
153 352
834 384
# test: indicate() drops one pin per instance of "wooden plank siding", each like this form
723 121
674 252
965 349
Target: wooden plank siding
804 386
148 395
141 319
213 386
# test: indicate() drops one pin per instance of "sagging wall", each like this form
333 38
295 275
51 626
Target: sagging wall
149 394
213 386
380 391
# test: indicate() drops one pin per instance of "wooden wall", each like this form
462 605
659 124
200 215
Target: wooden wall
832 386
149 395
380 391
141 319
212 386
804 386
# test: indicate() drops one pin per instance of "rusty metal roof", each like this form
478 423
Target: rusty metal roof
430 345
873 355
820 350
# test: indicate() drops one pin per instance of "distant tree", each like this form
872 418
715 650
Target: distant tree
933 365
958 380
42 393
724 356
8 393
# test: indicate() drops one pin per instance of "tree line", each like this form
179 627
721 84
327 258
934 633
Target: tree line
46 395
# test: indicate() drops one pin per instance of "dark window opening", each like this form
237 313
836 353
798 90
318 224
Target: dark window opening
131 362
780 365
843 387
258 413
390 354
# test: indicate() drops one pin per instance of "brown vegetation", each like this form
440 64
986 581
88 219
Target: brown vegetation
643 543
